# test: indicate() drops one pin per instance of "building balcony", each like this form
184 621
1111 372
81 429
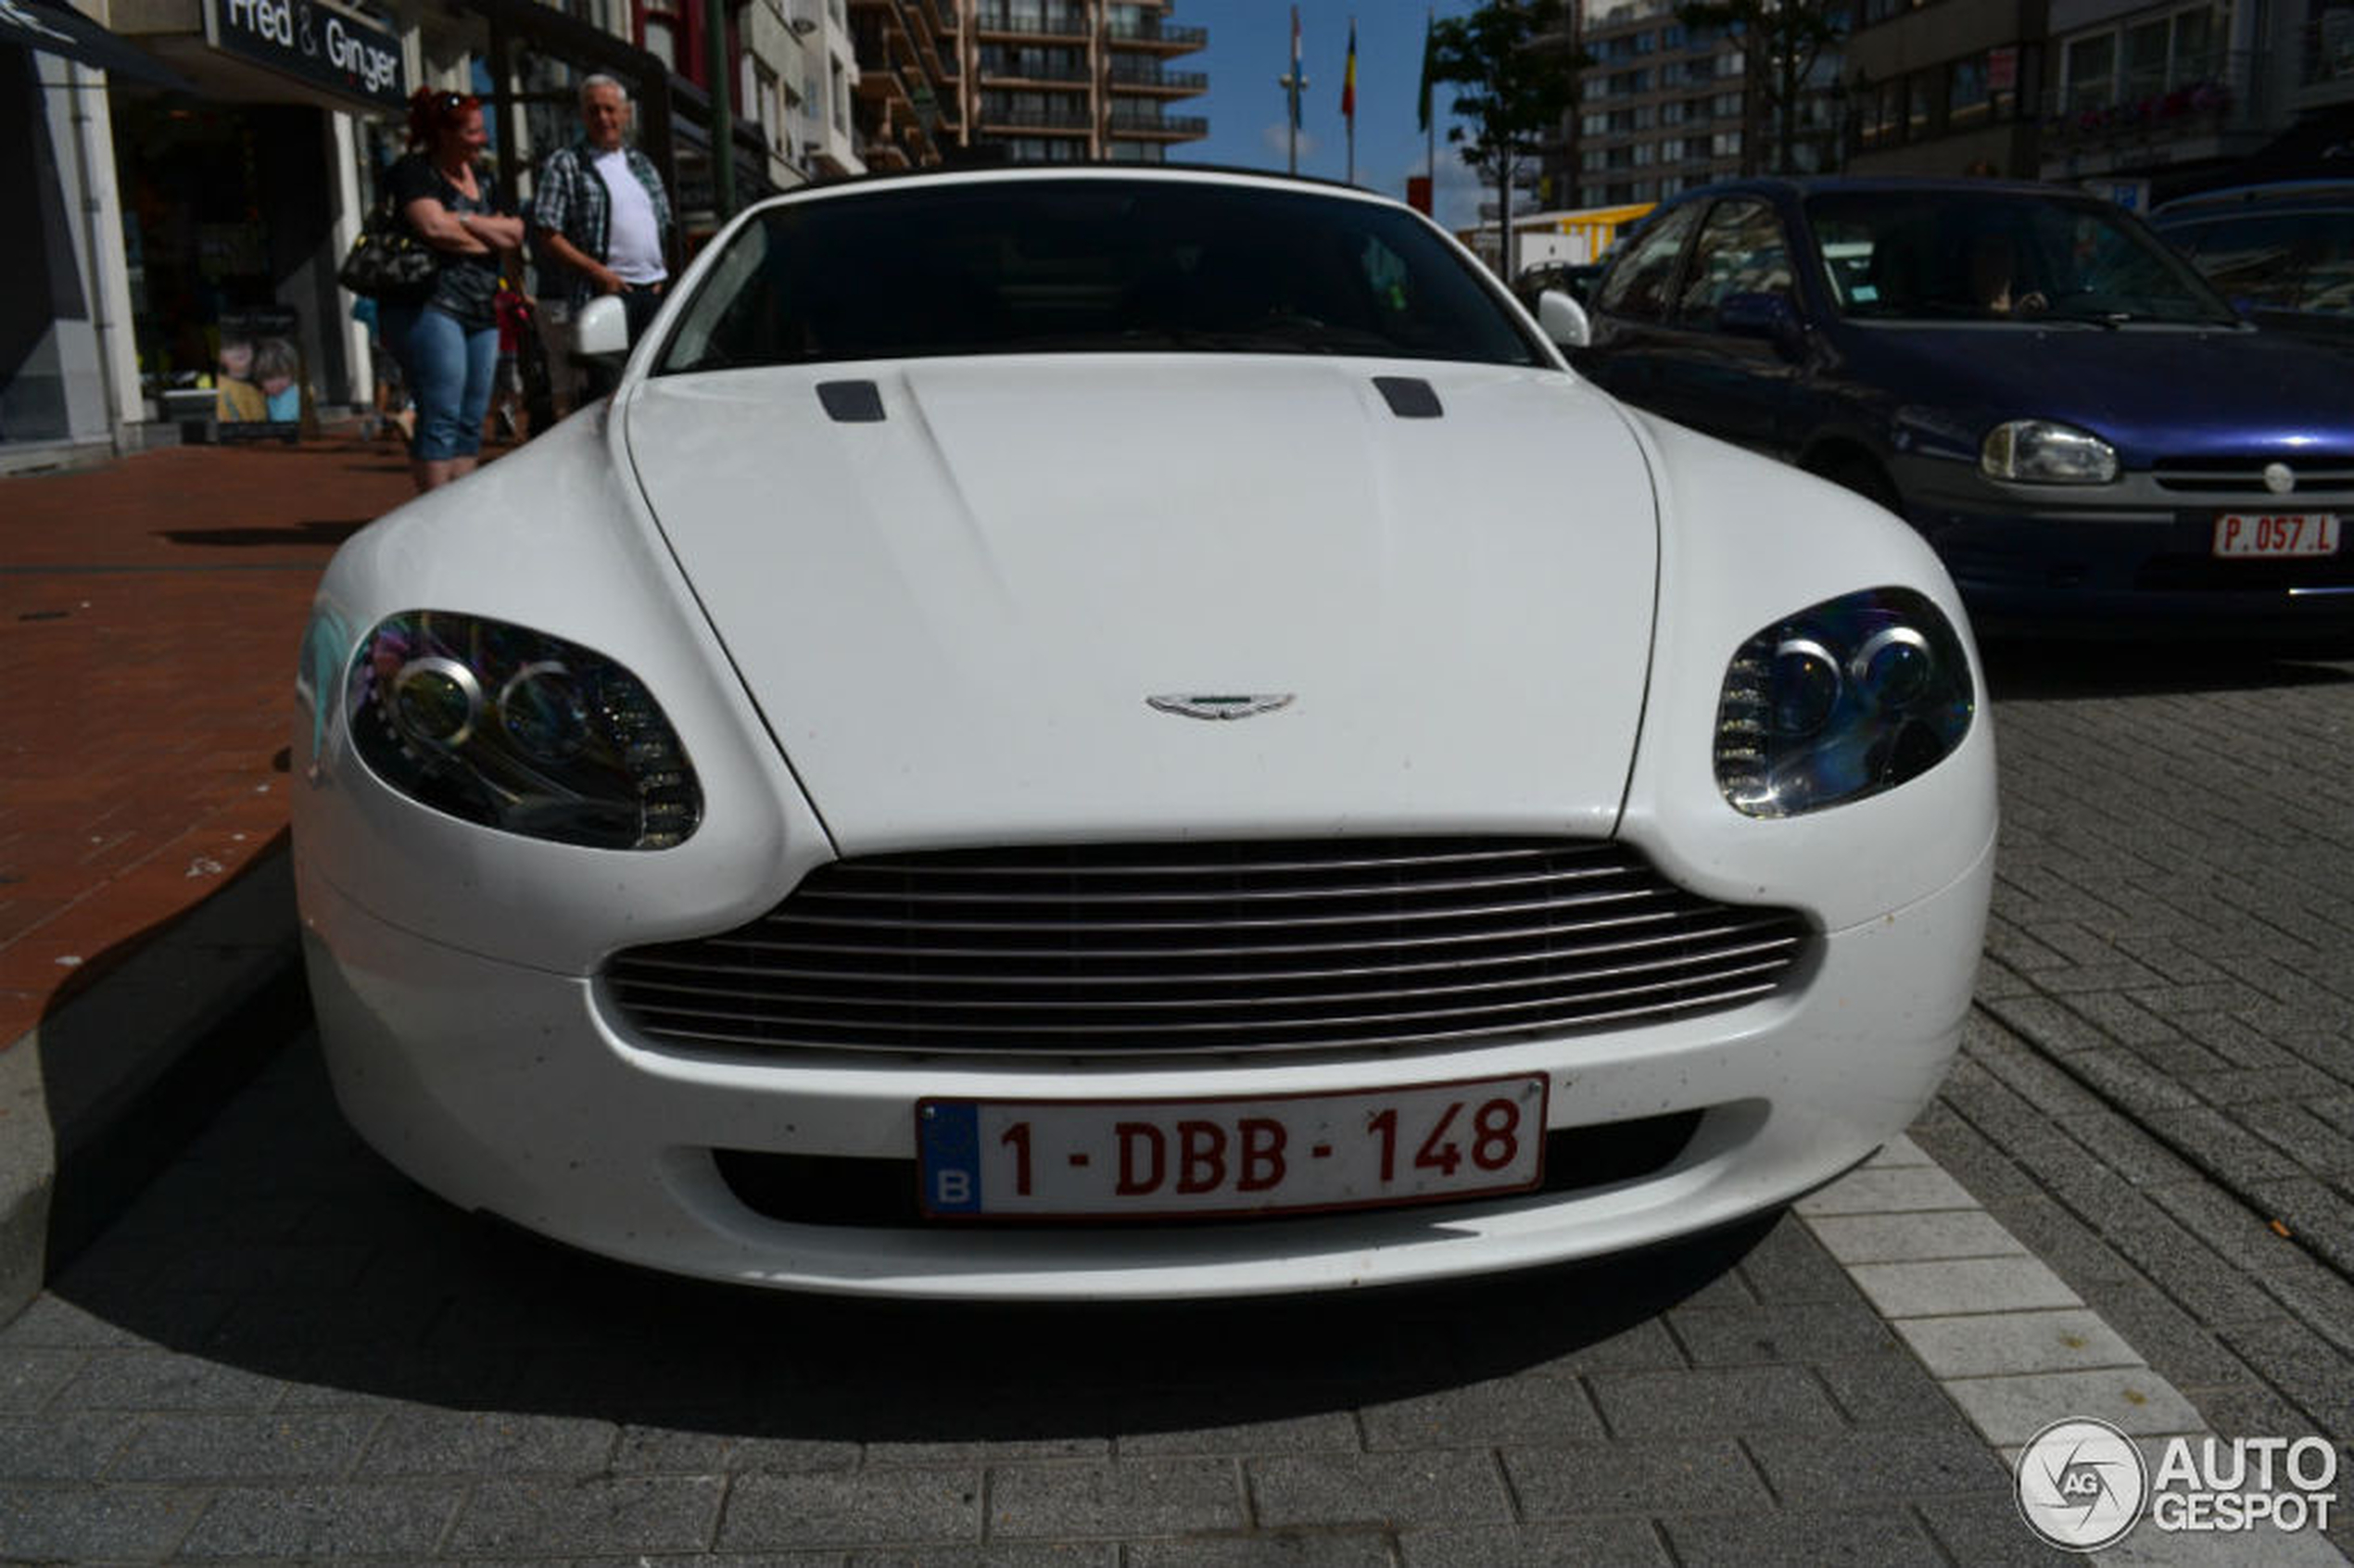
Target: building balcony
1127 77
1065 79
1173 127
1150 34
1073 24
1056 119
2134 114
2327 69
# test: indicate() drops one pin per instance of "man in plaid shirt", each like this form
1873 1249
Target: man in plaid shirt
599 214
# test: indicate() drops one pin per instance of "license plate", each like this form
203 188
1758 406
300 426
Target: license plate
2271 536
1272 1154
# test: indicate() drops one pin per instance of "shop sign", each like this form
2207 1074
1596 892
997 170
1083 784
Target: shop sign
313 44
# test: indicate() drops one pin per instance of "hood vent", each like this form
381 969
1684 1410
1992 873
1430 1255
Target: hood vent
1409 397
852 402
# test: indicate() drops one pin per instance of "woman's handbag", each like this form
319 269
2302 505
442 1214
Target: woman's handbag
388 263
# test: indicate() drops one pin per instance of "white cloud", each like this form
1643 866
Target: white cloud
1278 139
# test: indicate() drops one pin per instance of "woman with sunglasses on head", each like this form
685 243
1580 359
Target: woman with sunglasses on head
448 346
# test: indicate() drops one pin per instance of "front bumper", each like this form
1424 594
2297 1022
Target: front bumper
2027 562
518 1091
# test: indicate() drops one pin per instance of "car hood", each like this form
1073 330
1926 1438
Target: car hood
2152 392
953 616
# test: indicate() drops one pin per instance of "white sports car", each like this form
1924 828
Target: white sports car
1076 733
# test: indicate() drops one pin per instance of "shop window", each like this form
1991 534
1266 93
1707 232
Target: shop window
1968 101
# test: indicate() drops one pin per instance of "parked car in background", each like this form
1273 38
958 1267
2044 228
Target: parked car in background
1157 743
2283 254
2081 425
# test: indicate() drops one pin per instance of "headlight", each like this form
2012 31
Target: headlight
518 730
2042 452
1842 701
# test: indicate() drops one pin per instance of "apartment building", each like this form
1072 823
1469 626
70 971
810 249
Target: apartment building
1022 80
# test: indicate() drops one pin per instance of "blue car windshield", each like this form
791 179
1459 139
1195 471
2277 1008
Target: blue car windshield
2001 255
1100 264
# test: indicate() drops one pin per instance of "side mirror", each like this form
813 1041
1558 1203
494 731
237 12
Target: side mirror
1770 316
1564 320
600 329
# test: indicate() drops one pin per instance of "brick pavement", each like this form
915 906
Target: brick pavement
149 615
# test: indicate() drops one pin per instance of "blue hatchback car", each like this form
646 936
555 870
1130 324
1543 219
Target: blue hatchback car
2085 430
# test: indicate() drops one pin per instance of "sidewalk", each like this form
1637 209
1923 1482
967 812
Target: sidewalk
149 617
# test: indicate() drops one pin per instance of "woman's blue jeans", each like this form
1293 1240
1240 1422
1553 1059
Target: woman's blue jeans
448 369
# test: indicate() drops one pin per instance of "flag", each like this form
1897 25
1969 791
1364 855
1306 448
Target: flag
1421 101
1293 83
1349 76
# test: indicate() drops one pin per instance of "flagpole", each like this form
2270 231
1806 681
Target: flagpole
1293 83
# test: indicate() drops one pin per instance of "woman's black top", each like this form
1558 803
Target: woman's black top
468 284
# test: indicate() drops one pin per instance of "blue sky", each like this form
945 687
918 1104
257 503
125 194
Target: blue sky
1250 47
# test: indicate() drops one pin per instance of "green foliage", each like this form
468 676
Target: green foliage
1519 74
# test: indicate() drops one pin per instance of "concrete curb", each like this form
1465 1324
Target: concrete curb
96 1095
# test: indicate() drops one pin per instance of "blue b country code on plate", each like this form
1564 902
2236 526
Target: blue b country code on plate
1268 1155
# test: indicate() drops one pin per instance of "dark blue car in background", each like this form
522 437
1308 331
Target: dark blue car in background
2085 430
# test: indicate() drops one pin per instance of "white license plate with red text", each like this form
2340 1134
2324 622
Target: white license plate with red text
1275 1153
2274 535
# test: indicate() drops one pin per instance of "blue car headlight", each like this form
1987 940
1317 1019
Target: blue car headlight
1841 701
518 730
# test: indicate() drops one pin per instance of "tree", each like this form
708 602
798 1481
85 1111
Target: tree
1782 39
1514 59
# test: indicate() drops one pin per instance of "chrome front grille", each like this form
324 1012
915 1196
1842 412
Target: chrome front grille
1126 949
2319 475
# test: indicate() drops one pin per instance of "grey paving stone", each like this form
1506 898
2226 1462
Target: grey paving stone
1025 1554
2314 1374
30 1378
1908 1238
2135 1400
1905 1190
53 1321
656 1449
165 1380
2186 1352
72 1447
884 1453
314 1522
2122 1017
1880 1538
2074 1249
1945 1287
1850 1469
600 1513
2300 1135
2126 1149
2321 1218
1988 1532
2222 1144
244 1448
1145 1497
1812 1332
1888 1390
2126 1078
1276 1549
1325 1432
1590 1543
1975 1161
1575 1480
1641 1346
1385 1489
1788 1266
2236 1040
1480 1415
1993 1344
865 1508
94 1524
1711 1402
416 1441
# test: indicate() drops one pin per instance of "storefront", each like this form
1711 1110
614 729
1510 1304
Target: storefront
240 198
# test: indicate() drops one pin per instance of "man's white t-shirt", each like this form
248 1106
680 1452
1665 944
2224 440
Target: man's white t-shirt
633 241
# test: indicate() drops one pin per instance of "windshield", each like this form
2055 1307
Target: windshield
1948 255
1088 266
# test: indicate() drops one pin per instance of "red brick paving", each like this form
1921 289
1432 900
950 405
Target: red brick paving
149 617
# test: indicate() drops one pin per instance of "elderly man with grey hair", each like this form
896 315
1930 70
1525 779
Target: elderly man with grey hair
598 214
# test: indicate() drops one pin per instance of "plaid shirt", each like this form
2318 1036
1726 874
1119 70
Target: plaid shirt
569 199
